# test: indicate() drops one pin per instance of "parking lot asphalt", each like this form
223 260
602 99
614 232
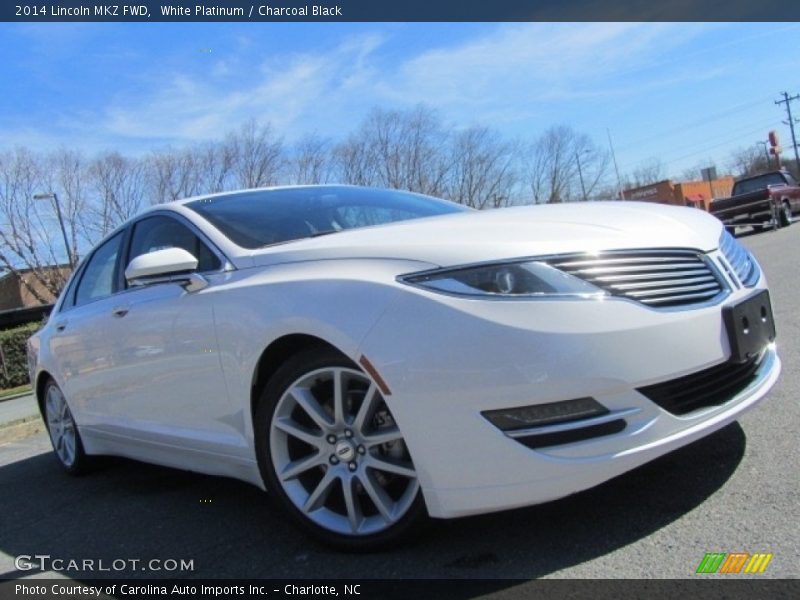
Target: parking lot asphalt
735 491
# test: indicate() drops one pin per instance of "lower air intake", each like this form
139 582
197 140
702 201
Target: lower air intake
710 387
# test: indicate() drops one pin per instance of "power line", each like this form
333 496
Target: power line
731 40
683 128
728 139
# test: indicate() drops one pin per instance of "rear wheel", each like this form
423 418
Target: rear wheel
785 214
63 431
331 452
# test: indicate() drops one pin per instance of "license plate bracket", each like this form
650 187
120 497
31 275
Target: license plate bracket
750 325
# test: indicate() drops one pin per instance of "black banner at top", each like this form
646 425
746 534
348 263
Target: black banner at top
400 10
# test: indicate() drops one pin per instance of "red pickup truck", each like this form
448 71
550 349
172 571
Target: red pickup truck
766 200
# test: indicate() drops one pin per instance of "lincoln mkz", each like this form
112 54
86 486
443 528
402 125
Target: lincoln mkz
376 357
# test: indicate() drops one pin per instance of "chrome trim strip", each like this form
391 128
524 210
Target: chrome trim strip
686 281
698 296
673 291
729 271
610 279
688 258
667 268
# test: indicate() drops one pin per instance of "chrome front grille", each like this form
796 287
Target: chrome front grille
658 278
739 259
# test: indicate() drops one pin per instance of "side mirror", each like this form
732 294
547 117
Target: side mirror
171 265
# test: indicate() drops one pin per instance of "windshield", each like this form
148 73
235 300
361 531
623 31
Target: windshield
265 217
759 183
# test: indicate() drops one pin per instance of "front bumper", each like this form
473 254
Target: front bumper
447 360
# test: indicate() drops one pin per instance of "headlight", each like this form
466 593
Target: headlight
530 279
741 261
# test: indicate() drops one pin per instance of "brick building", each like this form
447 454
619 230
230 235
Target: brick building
15 288
686 193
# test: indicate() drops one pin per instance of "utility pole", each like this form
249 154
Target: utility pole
787 100
580 174
614 157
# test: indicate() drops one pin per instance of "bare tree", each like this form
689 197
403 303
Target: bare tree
170 176
258 155
695 173
397 149
118 189
650 171
750 161
215 162
65 173
202 169
407 146
482 173
354 162
310 162
408 149
564 163
30 238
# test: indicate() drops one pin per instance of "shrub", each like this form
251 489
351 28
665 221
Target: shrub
13 355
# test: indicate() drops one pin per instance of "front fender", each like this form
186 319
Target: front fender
338 302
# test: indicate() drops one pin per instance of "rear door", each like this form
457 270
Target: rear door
80 343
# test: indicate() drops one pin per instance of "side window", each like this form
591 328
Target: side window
69 292
97 280
160 232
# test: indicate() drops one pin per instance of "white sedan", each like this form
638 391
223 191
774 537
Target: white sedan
373 357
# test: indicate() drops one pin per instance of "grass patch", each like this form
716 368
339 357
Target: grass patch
20 389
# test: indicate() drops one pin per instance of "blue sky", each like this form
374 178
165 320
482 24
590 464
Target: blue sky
685 93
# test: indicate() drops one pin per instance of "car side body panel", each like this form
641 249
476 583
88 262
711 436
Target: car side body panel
205 363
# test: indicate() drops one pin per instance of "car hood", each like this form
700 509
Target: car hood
464 238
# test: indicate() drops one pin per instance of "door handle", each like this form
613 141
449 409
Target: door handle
120 311
61 326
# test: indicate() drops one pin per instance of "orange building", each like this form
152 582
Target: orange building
685 193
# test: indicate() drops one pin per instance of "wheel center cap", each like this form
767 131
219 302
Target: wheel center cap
345 451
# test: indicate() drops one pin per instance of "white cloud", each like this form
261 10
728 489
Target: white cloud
518 67
283 91
509 73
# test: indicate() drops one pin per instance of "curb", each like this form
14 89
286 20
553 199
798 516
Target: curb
15 396
21 428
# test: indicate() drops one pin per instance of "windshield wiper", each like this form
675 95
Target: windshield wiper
323 232
305 237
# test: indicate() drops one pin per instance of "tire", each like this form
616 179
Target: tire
785 215
63 431
346 477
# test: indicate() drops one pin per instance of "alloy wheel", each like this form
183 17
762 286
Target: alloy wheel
339 455
61 426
